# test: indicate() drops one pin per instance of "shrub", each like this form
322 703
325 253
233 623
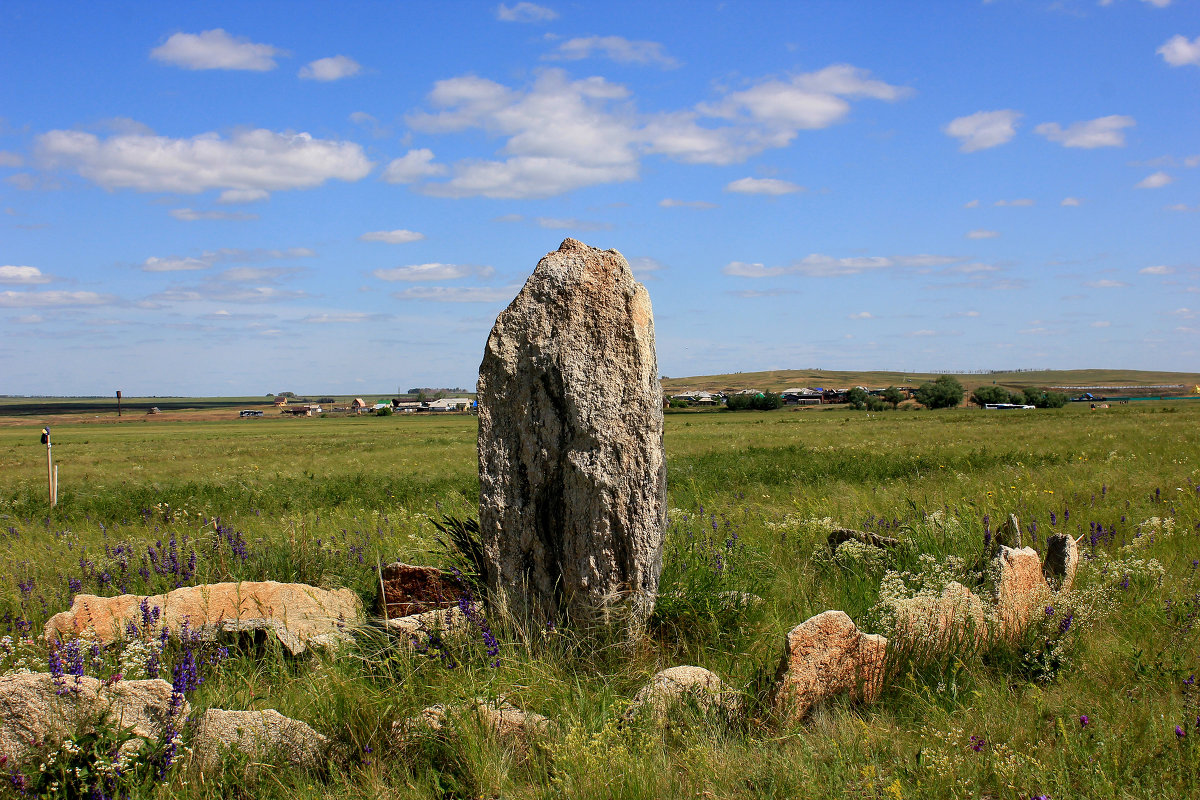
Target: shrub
1043 398
892 395
945 392
768 401
986 395
383 412
857 397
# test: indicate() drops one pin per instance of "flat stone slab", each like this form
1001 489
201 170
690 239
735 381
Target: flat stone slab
38 709
301 616
257 738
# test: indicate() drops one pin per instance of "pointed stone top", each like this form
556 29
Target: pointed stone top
572 244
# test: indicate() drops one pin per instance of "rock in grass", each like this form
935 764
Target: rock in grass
409 590
37 709
824 656
1061 561
253 739
510 726
928 626
301 616
1018 588
840 535
571 468
443 621
679 688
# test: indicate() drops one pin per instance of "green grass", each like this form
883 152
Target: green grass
752 495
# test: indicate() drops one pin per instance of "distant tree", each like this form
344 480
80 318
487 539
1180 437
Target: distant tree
678 403
945 392
738 402
1043 398
876 404
892 395
767 401
857 398
991 394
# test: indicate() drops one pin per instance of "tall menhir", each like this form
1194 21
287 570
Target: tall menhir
572 500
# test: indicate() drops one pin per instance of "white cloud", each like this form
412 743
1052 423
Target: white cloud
644 267
1101 132
195 215
1178 51
980 233
30 319
923 332
984 129
432 272
1181 207
861 315
216 49
772 186
1186 313
816 265
971 314
231 197
399 236
616 48
156 264
1106 283
333 68
23 276
525 12
1157 270
1101 323
412 166
9 159
254 160
561 134
1071 201
670 202
1022 202
1192 161
340 318
10 299
459 294
1155 180
224 255
971 204
254 274
558 224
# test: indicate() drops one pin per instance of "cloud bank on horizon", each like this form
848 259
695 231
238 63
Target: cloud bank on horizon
316 198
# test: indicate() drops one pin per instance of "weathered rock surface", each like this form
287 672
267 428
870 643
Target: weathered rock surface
512 727
1018 588
444 621
409 590
32 711
1009 533
823 656
929 625
840 535
571 468
301 616
1061 561
257 738
685 687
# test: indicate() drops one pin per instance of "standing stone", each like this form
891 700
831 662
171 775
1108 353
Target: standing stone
571 468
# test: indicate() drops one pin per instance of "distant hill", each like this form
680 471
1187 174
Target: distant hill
778 380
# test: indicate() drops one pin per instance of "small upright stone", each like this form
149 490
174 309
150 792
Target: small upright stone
571 468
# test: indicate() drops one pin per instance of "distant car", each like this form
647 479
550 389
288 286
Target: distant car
249 412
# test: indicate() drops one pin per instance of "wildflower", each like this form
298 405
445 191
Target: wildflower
1180 732
1083 720
977 743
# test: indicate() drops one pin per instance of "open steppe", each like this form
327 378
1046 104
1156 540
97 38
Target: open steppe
1098 700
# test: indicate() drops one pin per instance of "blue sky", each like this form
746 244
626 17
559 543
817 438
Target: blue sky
237 198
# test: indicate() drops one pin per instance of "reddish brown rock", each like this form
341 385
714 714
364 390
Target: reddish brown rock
33 712
823 656
301 616
1018 588
409 590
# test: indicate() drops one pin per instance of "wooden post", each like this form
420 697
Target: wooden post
54 502
118 402
382 590
49 466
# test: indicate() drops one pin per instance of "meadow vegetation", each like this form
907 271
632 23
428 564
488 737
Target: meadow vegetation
1097 700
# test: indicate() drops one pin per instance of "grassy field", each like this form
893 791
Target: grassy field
1096 704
